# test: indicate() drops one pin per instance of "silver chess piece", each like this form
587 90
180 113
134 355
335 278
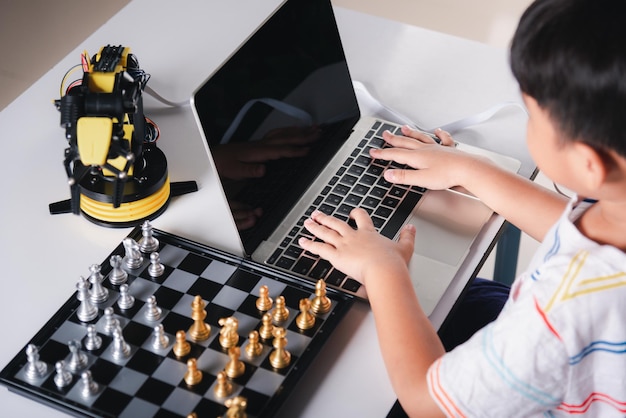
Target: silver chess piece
99 293
62 378
35 368
118 275
120 349
148 243
110 321
153 312
93 340
90 387
78 359
159 339
86 311
155 269
133 258
126 300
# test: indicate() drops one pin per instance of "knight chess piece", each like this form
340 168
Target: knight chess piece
229 334
132 258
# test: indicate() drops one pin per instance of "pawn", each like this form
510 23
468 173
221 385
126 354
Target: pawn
99 293
35 368
159 339
222 388
280 357
321 303
118 275
120 349
229 334
148 243
264 302
305 320
126 300
266 331
182 346
78 359
193 376
89 386
235 367
86 311
153 312
199 331
110 321
133 258
93 340
62 378
236 407
254 347
280 312
155 269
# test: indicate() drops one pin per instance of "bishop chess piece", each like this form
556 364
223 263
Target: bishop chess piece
305 319
181 347
223 387
86 310
266 331
156 269
193 376
35 368
62 378
133 258
229 334
280 357
254 347
264 302
280 313
147 243
125 300
78 359
321 303
93 340
235 367
199 331
118 275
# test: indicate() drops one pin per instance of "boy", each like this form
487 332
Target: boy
558 347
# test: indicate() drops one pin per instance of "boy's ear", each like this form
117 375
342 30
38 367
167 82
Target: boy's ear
593 165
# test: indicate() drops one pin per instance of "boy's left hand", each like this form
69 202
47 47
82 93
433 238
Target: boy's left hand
357 252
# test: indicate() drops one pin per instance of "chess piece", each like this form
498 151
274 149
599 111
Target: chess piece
254 347
90 387
305 320
182 346
229 336
110 321
120 349
93 340
99 293
235 367
147 243
222 388
236 407
153 312
78 359
264 302
133 258
62 378
126 300
199 330
35 368
321 303
86 310
155 269
280 357
118 275
280 313
266 331
193 376
159 339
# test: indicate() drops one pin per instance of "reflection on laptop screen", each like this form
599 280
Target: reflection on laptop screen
276 112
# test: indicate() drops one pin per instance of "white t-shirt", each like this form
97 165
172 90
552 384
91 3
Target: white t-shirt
558 347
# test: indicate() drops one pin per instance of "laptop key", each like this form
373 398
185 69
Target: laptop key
285 263
335 278
401 214
321 269
351 285
274 256
303 266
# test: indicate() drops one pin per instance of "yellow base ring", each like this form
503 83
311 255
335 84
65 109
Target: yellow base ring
129 211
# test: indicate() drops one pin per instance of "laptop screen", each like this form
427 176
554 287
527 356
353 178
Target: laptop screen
276 112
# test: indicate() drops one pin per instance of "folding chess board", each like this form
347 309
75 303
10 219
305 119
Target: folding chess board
149 381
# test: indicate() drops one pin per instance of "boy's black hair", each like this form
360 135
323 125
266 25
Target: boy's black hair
570 56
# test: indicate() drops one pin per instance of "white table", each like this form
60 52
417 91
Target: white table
430 77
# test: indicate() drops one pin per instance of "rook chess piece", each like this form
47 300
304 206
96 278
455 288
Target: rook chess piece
35 368
62 378
133 258
222 388
147 243
153 312
118 275
254 347
182 346
155 269
99 293
266 331
89 386
199 330
280 357
193 376
321 303
126 300
280 313
305 320
93 340
236 407
78 359
86 310
264 302
229 335
159 339
120 348
235 367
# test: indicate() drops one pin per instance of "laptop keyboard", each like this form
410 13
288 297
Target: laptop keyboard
358 183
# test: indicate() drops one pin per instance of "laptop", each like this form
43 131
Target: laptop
282 126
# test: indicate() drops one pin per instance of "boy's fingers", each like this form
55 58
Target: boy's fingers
446 138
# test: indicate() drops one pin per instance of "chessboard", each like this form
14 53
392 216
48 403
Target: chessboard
166 327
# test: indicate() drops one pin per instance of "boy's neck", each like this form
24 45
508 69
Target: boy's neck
605 223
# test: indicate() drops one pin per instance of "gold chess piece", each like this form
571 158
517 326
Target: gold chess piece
222 388
229 336
254 347
266 331
199 331
305 319
181 346
235 367
264 302
193 376
280 357
321 303
280 312
236 407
